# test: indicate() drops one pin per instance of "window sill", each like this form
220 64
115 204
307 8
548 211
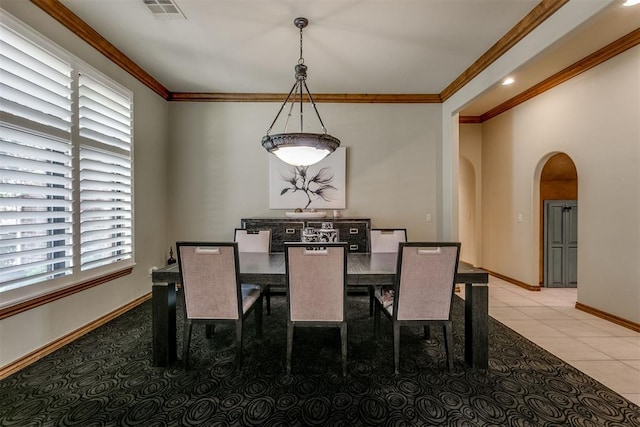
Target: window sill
19 307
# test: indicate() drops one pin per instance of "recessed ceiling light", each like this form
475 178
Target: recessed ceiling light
508 81
631 2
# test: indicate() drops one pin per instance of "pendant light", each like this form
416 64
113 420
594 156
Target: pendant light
300 148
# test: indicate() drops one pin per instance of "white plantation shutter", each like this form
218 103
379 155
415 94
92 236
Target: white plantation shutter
36 196
105 174
34 84
65 164
35 208
105 114
105 204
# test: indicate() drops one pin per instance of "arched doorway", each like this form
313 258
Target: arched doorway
467 221
558 222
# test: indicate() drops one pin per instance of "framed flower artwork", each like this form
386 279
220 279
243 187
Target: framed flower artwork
319 186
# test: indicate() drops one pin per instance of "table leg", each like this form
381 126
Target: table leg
476 326
163 296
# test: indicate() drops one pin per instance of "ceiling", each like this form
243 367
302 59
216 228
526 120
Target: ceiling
609 25
350 46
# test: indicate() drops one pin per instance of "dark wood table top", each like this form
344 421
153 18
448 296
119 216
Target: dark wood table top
363 269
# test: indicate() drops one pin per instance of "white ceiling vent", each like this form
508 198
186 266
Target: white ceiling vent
164 9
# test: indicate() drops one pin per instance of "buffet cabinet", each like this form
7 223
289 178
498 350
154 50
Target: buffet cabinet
353 231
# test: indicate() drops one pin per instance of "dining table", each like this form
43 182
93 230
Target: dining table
363 269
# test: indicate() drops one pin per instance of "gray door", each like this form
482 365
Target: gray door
561 243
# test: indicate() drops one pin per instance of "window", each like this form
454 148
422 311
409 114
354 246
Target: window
105 174
65 165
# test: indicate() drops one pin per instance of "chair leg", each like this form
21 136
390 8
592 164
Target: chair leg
427 332
239 328
396 347
343 337
210 330
289 346
267 294
448 345
258 310
376 318
186 342
372 297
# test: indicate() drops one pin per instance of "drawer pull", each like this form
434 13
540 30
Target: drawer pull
290 231
353 247
353 231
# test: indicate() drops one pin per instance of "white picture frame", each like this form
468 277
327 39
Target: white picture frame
319 186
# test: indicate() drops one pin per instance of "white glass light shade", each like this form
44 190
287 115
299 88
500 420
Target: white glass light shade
301 156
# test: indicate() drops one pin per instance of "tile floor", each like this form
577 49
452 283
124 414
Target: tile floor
601 349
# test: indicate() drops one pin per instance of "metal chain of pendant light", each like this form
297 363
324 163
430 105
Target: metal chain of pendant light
300 148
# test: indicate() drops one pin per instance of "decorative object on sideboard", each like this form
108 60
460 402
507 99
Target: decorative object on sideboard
301 148
309 235
171 259
306 214
327 234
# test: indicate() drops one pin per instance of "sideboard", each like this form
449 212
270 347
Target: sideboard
354 231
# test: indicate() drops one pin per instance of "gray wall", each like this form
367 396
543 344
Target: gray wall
593 118
30 330
219 170
470 193
199 168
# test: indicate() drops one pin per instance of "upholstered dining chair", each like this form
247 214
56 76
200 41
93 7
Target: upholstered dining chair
252 240
213 292
384 240
423 292
255 241
316 275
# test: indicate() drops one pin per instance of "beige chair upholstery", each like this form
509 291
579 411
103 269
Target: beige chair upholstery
384 240
316 276
255 242
212 290
423 292
252 241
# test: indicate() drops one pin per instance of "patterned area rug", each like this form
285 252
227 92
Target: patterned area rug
105 379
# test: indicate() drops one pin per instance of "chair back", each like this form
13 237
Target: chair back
316 275
386 240
426 280
253 241
210 279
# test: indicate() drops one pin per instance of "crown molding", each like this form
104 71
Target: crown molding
76 25
534 18
351 98
469 119
73 23
615 48
537 16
